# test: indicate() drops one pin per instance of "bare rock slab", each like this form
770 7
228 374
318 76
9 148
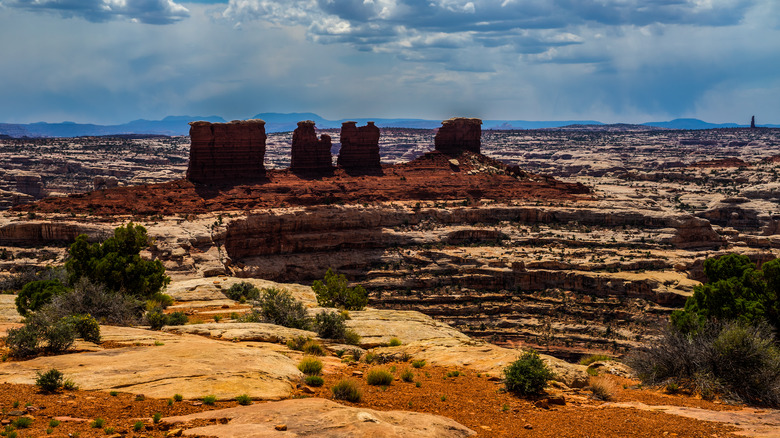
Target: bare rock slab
242 331
321 418
160 365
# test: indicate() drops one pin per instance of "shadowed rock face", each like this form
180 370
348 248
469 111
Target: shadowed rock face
359 147
308 153
226 152
459 134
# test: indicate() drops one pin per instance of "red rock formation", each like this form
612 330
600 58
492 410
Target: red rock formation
458 135
359 147
308 153
226 152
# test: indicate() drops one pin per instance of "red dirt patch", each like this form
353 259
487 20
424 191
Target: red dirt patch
430 177
722 163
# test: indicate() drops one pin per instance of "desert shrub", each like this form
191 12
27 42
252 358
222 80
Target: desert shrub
87 328
394 342
314 380
243 291
41 332
209 400
279 307
89 298
313 348
330 325
138 425
527 375
23 341
379 376
177 318
738 360
159 299
603 388
419 363
587 360
244 400
98 423
117 264
50 381
355 353
407 375
351 337
334 292
22 422
178 397
297 342
36 294
156 318
348 390
59 335
310 365
22 275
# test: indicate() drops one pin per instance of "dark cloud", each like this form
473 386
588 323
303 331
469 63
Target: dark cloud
144 11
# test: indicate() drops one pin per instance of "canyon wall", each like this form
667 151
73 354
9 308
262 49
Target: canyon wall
223 153
309 154
459 134
359 147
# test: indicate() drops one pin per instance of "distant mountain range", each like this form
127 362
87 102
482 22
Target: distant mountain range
283 122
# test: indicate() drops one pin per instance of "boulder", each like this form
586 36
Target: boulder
310 155
459 134
319 417
224 153
359 147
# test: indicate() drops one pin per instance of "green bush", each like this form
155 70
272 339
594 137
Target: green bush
587 360
242 292
280 308
419 363
116 263
314 380
40 332
407 375
178 397
738 360
379 376
23 341
89 298
98 423
137 426
156 318
160 299
394 342
177 318
244 400
348 390
527 375
334 292
310 365
50 381
330 325
209 400
351 337
313 348
36 294
156 417
86 327
22 422
297 342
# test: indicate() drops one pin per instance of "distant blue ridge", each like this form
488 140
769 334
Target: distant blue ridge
284 122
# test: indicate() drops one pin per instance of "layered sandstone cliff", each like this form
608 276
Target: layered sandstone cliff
227 152
359 147
310 154
459 134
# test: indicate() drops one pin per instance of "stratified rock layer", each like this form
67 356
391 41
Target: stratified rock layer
308 153
223 153
459 134
359 147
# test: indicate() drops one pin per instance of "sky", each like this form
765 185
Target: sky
630 61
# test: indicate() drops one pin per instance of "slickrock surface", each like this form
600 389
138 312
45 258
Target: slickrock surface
459 134
159 364
309 154
227 152
322 418
359 147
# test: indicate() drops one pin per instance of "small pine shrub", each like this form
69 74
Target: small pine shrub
394 342
379 376
177 318
156 417
54 423
330 325
242 292
527 375
334 292
281 308
313 348
36 294
314 380
347 389
244 400
407 375
418 363
310 366
87 328
209 400
137 426
50 381
156 318
69 385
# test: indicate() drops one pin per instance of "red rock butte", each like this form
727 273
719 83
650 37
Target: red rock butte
459 134
359 147
309 154
226 152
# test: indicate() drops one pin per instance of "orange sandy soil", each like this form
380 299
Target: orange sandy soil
430 177
475 401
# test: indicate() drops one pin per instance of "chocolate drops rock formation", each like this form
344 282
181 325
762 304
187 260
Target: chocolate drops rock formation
359 147
223 153
459 134
310 155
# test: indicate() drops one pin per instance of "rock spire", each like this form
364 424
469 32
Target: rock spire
224 153
459 134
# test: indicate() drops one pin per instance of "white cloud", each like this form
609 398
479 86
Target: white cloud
145 11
